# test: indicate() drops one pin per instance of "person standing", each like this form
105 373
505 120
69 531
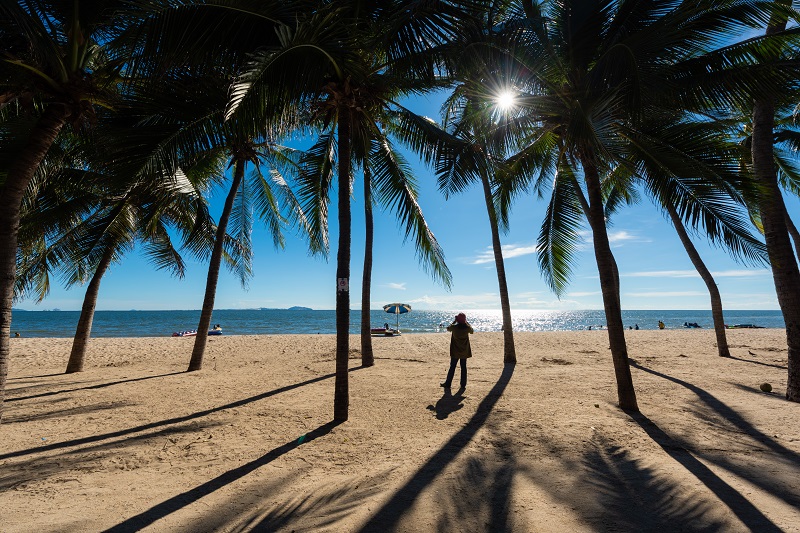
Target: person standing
460 349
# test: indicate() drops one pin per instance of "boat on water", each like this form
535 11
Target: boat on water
385 331
193 333
743 326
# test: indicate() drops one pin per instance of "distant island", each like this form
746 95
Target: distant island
294 308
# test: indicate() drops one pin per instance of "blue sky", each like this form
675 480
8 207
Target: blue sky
655 271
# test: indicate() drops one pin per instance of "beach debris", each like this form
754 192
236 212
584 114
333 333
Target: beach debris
597 405
765 387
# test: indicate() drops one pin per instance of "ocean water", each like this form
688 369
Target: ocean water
278 321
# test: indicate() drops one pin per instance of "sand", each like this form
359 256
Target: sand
247 443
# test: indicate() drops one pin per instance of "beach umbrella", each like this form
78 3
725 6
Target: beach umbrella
397 309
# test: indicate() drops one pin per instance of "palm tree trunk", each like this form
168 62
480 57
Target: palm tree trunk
367 357
196 362
609 285
341 395
785 271
19 176
713 290
794 234
509 350
84 329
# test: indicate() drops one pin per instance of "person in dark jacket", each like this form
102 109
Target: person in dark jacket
460 349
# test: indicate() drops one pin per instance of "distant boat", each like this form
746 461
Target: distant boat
744 326
193 333
384 332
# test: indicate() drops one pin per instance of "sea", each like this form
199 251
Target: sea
302 321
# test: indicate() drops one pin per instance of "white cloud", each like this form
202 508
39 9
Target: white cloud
396 286
509 251
694 274
665 294
583 294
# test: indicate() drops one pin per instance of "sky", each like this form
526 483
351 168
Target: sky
655 272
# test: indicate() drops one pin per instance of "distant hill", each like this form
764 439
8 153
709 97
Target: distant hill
299 308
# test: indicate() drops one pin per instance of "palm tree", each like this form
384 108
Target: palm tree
772 212
471 157
345 66
84 218
592 75
57 66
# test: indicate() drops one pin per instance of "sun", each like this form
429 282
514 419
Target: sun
505 100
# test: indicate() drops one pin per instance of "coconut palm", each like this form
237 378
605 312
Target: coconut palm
592 75
144 213
344 67
772 213
59 66
470 157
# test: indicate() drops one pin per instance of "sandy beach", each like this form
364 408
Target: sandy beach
134 442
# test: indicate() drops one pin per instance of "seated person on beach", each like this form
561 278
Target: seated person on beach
217 327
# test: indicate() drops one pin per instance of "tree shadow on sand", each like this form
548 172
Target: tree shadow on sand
782 367
88 387
778 485
167 422
252 509
448 403
391 513
179 501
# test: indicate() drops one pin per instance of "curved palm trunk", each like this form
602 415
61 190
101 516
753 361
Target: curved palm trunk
794 233
196 362
84 329
509 350
18 178
785 271
609 285
713 290
341 395
367 357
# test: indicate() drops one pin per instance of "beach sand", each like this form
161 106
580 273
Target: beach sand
247 443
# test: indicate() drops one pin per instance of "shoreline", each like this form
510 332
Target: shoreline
135 441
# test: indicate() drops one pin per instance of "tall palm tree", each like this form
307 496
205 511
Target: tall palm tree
772 211
59 66
591 75
345 66
471 157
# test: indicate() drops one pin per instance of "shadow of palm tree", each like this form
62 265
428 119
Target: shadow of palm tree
390 514
748 513
634 497
89 387
328 504
37 468
179 501
17 378
167 422
482 490
753 473
61 413
447 404
758 362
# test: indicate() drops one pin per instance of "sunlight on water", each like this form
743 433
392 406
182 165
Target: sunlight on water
280 321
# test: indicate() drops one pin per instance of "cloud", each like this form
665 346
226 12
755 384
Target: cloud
582 294
665 294
396 286
622 236
509 251
694 274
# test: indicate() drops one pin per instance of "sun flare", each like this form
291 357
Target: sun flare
505 100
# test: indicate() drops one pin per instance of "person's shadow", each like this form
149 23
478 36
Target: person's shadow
448 403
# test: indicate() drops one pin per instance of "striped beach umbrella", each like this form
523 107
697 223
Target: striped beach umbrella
397 309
